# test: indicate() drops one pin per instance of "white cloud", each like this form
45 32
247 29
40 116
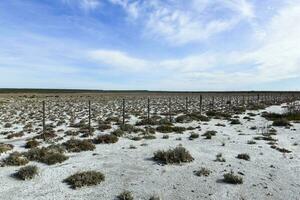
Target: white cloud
276 58
86 5
118 60
181 22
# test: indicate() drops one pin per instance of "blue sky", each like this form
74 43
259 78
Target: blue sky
150 44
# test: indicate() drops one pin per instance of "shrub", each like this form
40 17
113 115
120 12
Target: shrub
106 139
165 137
173 156
149 137
125 195
7 125
127 128
74 145
31 144
15 159
251 142
202 172
5 147
48 155
154 197
209 134
281 122
13 135
165 129
86 178
136 138
219 158
232 179
243 156
26 173
118 132
235 121
103 127
193 136
46 136
170 129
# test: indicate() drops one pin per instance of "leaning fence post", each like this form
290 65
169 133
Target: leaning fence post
123 111
148 110
200 104
90 128
44 123
170 117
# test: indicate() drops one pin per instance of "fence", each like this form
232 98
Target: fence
190 104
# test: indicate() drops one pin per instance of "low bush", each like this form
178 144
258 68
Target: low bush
235 121
87 178
74 145
243 156
118 132
173 156
219 158
48 155
15 159
125 195
232 179
149 137
106 139
193 136
5 147
281 122
31 144
202 172
26 173
170 129
165 137
103 127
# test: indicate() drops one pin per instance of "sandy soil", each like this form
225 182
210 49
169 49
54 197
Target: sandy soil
269 174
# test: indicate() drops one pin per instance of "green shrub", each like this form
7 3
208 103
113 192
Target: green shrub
165 137
74 145
26 173
118 132
173 156
149 137
202 172
194 136
281 122
87 178
127 128
243 156
235 121
251 142
31 144
125 195
219 158
15 159
106 139
232 179
165 129
103 127
5 147
48 155
170 129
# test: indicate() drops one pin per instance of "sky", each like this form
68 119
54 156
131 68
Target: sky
187 45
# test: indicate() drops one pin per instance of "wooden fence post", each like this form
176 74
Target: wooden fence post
123 111
186 104
148 110
90 128
200 104
44 116
170 117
